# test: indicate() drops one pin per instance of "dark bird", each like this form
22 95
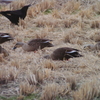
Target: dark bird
34 44
4 37
64 53
2 50
14 15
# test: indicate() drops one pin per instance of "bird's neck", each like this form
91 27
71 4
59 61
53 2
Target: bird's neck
26 47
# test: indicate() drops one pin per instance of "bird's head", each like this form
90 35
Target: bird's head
88 47
26 7
17 45
7 36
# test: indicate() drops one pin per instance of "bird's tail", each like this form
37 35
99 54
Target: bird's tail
4 12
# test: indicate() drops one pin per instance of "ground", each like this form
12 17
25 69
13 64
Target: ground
28 75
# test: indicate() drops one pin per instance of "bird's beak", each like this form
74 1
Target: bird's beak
84 47
14 48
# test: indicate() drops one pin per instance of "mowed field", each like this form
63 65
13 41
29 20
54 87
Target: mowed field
28 75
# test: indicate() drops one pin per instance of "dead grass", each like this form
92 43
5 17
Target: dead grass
69 24
47 21
96 7
41 7
26 88
70 7
49 64
95 24
31 78
7 75
73 36
96 36
72 82
39 75
86 13
53 90
88 91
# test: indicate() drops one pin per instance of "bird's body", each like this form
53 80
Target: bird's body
34 44
93 47
2 50
4 37
64 53
97 46
14 16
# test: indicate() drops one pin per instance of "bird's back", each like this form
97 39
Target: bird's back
58 54
40 43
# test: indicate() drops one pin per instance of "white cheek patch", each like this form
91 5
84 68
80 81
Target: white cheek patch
46 41
73 51
5 36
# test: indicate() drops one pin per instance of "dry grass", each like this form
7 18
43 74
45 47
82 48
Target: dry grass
51 91
96 36
7 75
88 91
69 23
86 13
96 7
72 82
41 7
70 7
74 36
46 20
26 88
95 24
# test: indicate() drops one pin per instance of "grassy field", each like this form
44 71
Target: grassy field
28 76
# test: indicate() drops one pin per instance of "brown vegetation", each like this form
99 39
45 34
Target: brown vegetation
69 24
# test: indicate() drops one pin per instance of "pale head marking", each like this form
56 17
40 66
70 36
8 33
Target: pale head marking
5 36
73 51
46 41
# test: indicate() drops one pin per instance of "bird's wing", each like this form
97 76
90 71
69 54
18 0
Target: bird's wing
32 42
16 12
38 41
12 17
45 40
71 50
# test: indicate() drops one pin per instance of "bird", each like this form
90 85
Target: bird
92 47
2 50
4 37
34 44
64 53
14 15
